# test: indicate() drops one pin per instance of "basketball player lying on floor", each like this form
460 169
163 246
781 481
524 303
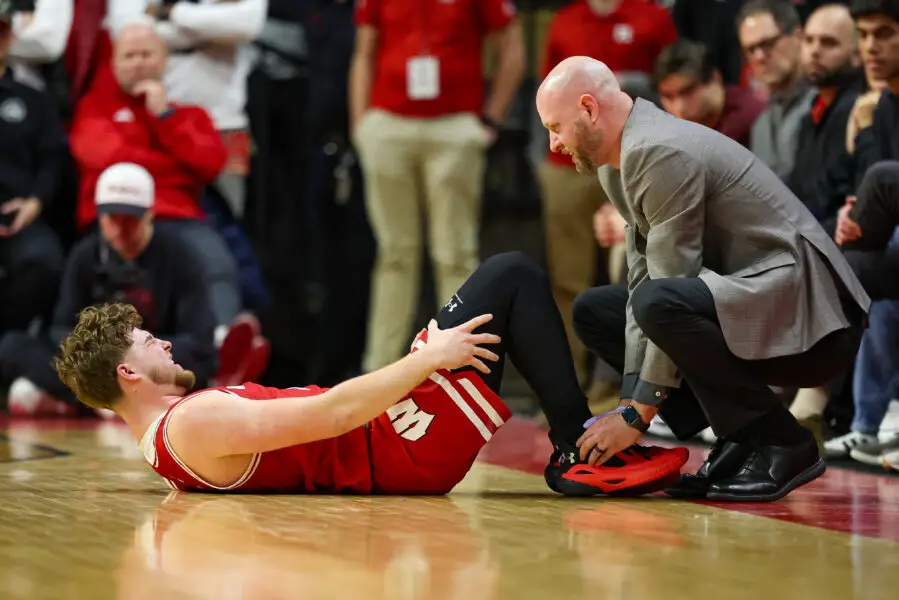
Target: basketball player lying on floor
412 427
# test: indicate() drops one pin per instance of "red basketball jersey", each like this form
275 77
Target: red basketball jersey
338 464
424 444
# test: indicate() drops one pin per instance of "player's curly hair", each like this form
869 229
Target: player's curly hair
88 357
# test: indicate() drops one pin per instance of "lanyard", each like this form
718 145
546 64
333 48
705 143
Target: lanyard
423 26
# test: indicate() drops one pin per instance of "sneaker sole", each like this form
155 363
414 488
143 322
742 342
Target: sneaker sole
649 488
807 476
670 463
865 458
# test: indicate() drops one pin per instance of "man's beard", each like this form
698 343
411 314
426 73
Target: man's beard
584 165
174 376
837 77
588 144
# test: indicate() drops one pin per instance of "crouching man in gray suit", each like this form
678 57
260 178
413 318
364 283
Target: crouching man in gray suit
733 287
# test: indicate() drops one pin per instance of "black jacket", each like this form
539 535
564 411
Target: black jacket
879 141
823 173
165 286
32 142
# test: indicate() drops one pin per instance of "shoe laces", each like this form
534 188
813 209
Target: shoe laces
757 457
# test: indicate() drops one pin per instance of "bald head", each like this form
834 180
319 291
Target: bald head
835 17
142 30
139 54
584 109
577 76
829 46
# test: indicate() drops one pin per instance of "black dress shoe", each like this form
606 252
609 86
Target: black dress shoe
724 460
770 473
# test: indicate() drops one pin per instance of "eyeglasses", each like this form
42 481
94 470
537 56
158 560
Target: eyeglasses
766 45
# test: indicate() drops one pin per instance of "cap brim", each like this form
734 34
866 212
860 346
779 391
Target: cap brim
121 209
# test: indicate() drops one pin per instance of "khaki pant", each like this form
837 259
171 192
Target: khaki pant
418 169
569 201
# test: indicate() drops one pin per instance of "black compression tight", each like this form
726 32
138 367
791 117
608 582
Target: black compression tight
516 292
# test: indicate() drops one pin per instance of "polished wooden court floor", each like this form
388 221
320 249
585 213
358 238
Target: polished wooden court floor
82 517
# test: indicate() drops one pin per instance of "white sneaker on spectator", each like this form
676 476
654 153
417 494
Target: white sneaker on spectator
840 447
889 427
659 428
870 453
890 460
27 400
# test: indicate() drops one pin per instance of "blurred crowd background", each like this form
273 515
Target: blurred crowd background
288 189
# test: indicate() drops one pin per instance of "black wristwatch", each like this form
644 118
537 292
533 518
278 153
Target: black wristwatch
633 418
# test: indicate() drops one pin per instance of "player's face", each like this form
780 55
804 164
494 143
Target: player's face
878 43
686 97
772 54
151 358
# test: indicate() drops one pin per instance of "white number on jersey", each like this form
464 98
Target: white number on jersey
408 420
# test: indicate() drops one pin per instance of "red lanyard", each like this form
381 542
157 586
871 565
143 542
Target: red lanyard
423 25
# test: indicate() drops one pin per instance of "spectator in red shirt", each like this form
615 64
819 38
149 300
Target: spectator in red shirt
127 117
690 87
627 35
421 126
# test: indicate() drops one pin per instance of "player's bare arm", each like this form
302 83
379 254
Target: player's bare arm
216 426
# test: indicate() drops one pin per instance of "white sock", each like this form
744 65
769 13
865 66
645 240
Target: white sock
809 402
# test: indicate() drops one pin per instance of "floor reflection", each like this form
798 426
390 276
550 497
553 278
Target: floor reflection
93 522
267 548
465 547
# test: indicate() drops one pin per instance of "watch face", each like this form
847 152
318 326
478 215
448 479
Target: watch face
632 418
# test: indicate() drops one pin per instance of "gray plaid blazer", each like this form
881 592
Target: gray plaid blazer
698 204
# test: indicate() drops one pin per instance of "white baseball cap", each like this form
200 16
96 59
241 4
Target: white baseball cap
125 188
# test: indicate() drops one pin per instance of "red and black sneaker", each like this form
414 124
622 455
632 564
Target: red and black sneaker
236 349
634 471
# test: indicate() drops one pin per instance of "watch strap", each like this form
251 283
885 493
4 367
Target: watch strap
633 418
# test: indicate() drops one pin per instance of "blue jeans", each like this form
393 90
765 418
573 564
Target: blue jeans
876 378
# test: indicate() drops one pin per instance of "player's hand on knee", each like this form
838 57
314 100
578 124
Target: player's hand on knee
460 347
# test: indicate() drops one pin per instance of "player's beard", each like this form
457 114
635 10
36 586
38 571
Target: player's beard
588 145
174 375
